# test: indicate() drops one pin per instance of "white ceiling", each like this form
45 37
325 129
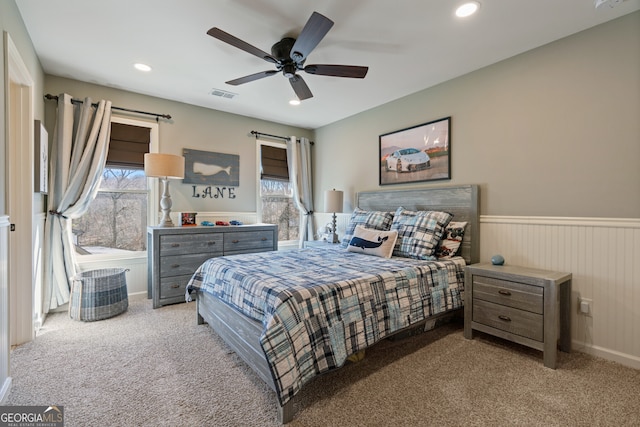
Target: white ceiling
408 45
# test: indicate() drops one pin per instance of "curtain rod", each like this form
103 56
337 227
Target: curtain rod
77 101
259 134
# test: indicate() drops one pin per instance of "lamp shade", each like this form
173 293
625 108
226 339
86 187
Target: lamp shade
333 201
163 165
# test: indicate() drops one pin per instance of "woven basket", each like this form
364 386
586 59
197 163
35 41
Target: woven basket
98 294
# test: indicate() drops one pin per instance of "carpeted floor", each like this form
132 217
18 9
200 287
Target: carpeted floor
158 368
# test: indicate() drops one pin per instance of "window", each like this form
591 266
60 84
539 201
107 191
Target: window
116 221
275 191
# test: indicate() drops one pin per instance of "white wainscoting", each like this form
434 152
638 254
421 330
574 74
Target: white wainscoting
5 378
244 217
136 276
323 219
603 256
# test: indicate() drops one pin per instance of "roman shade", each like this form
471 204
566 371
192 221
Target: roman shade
128 146
274 163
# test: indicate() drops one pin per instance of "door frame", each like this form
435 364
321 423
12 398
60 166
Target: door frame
19 88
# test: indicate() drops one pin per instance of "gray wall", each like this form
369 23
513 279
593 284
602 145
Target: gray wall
551 132
189 127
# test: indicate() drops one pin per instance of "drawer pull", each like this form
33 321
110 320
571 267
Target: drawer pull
503 292
211 243
175 286
264 238
175 265
505 318
235 241
175 245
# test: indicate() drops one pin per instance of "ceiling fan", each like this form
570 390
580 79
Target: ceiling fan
289 55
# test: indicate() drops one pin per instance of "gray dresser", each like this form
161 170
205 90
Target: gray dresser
175 253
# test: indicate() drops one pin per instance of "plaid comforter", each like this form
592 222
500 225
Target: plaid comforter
319 306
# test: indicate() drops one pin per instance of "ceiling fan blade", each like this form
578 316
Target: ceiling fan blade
314 30
251 77
240 44
352 71
300 87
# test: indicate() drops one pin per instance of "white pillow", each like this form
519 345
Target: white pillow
373 242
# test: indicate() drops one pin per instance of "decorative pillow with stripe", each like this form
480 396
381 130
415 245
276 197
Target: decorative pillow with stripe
418 232
376 220
450 243
373 242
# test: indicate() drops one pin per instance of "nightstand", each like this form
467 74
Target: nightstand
528 306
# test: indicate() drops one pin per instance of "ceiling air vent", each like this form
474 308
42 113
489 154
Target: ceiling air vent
611 3
222 93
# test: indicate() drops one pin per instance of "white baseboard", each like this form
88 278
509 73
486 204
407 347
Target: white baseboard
605 353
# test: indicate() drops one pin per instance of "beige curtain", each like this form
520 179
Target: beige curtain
300 174
78 156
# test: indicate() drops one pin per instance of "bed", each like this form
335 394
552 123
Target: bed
293 315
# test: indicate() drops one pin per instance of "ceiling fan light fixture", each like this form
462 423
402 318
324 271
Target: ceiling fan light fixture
467 9
142 67
289 70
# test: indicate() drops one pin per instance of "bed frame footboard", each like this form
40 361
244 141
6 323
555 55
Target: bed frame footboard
243 336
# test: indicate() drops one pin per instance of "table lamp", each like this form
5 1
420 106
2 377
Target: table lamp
164 166
333 204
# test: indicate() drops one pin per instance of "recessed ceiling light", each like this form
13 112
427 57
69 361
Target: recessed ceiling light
467 9
294 102
142 67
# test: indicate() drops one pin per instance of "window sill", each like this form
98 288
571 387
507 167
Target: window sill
133 255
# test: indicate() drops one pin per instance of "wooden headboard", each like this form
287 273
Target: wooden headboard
460 200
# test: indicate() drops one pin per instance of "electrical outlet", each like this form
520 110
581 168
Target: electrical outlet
585 307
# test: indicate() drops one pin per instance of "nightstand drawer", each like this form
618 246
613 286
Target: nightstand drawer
191 243
512 320
512 294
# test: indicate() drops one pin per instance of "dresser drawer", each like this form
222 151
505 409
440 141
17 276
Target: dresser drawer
179 244
512 320
174 286
181 264
512 294
248 241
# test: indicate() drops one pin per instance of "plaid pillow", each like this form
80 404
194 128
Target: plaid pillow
450 243
418 232
375 220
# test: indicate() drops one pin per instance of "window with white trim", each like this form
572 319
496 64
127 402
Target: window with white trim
275 191
116 221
